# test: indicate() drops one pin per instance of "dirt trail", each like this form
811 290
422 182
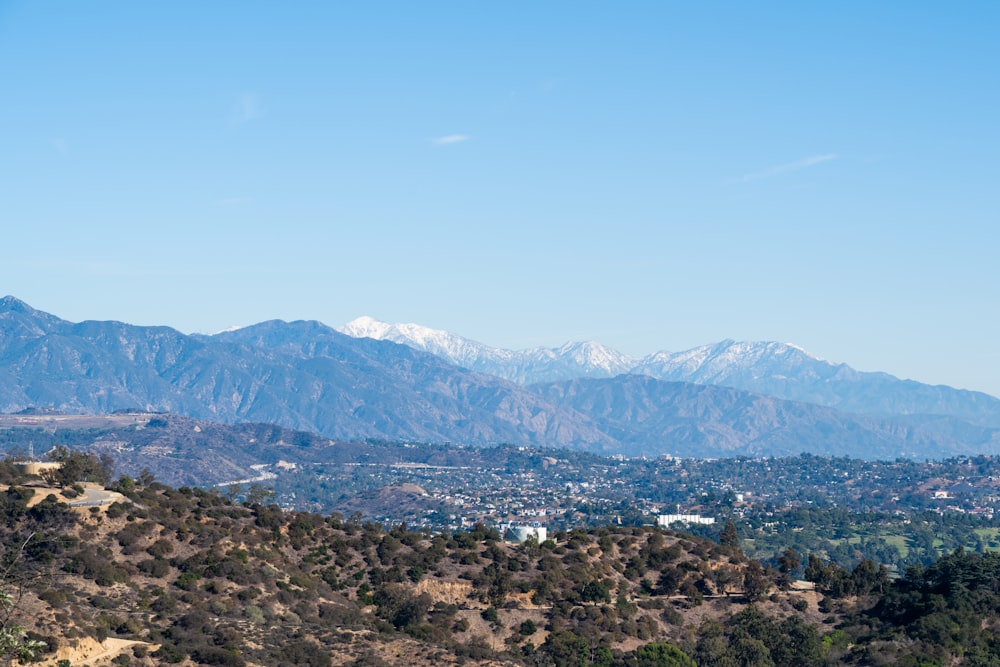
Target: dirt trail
92 652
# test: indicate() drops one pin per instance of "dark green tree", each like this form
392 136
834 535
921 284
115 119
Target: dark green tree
662 655
730 537
595 591
567 649
755 583
79 467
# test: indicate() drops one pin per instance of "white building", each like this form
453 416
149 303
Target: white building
519 534
664 520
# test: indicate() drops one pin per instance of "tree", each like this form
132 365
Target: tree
14 642
729 539
755 584
723 577
567 649
258 494
816 571
499 584
712 648
595 591
868 577
400 607
233 492
670 578
79 467
531 547
662 655
788 561
750 651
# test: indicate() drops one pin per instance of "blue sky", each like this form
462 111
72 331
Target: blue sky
652 175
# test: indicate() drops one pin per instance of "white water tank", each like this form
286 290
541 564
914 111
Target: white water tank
521 533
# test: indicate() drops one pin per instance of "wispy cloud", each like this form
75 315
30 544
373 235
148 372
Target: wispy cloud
246 108
450 139
60 145
798 165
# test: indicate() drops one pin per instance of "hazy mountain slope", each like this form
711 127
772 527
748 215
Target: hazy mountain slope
20 323
787 371
301 375
781 370
650 416
391 390
91 366
307 376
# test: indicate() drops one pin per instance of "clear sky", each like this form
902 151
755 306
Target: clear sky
651 175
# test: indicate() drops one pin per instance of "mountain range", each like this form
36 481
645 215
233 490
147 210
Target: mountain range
308 376
781 370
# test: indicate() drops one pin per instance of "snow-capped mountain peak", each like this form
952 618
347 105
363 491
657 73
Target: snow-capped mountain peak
753 365
365 327
590 354
723 362
456 349
523 366
730 362
775 369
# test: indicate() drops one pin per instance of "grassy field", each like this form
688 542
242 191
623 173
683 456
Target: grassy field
991 536
896 536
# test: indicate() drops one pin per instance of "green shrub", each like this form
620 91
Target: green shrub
187 581
154 567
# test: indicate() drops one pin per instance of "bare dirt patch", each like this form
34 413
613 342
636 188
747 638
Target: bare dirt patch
92 652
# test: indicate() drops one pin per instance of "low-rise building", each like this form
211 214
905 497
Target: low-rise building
664 520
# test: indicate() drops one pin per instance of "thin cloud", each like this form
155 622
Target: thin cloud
450 139
798 165
246 109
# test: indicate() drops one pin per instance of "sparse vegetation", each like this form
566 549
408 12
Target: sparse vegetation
214 581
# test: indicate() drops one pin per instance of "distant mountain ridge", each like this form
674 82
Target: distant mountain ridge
781 370
644 413
301 375
307 376
539 364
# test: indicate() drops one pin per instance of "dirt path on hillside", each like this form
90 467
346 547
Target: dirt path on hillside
90 651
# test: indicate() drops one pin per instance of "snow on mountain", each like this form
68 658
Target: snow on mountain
596 356
305 375
781 370
787 371
456 349
572 360
720 362
708 364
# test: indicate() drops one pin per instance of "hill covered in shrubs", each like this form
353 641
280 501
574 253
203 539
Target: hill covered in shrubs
187 576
